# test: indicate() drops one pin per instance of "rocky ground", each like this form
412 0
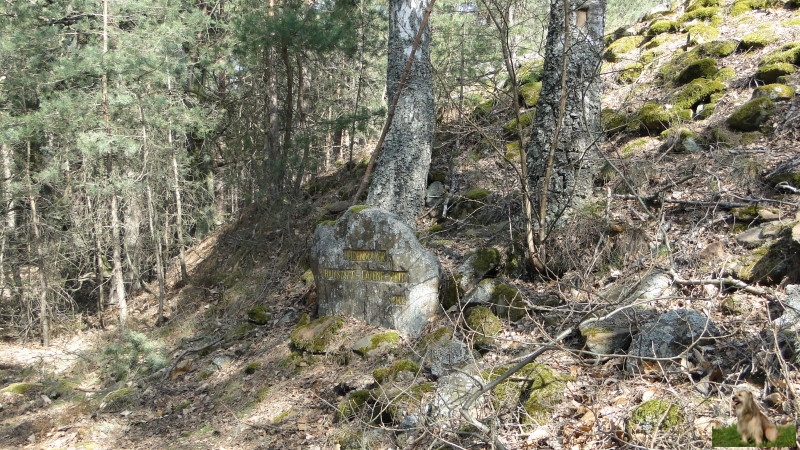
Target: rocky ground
694 201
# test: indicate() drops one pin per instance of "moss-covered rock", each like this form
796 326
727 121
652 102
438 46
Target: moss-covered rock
259 315
399 370
702 32
697 4
684 140
18 388
696 92
485 260
702 68
787 53
655 413
776 92
483 110
315 336
374 343
530 72
536 387
512 151
751 115
757 39
725 74
529 93
656 118
622 46
612 121
708 13
354 403
717 49
484 324
508 302
525 120
771 263
770 73
661 26
630 73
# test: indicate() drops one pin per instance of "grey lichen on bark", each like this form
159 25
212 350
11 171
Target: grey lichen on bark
575 155
398 184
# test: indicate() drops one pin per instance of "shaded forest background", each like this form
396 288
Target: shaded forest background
131 129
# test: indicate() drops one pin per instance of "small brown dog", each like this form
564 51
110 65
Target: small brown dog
752 423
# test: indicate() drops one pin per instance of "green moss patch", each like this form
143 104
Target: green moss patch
702 32
508 302
630 73
18 388
622 46
770 73
525 120
530 72
702 68
757 39
536 387
717 49
354 403
316 336
370 344
259 315
662 26
775 92
696 92
613 121
751 115
657 118
399 370
655 413
788 53
486 259
484 324
709 13
529 93
697 4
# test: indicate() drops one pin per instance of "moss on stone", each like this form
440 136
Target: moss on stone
477 194
483 323
394 371
742 6
327 222
18 388
630 73
437 175
702 32
633 147
621 46
536 387
655 413
702 68
661 26
657 41
434 338
252 368
435 228
775 92
483 109
486 259
696 92
525 119
708 13
697 4
355 209
751 115
787 53
259 315
656 118
512 151
508 302
530 72
757 39
717 49
529 93
315 336
770 73
725 74
613 121
351 406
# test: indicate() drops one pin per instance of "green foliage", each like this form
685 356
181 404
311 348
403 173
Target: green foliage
730 437
135 354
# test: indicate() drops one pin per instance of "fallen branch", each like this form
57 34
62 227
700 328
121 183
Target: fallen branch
727 281
189 351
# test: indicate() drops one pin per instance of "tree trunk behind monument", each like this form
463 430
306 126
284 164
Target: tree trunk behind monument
400 176
562 159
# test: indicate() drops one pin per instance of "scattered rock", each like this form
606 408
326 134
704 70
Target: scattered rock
670 336
477 265
374 344
259 315
434 195
452 391
751 115
484 324
316 336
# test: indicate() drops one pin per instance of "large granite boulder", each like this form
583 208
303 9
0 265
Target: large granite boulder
370 265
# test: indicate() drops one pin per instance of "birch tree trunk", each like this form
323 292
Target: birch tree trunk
401 171
562 154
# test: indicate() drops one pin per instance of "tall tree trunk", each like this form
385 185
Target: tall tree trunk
178 214
118 296
10 219
398 184
563 152
38 243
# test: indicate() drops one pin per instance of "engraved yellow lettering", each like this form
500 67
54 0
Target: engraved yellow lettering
365 255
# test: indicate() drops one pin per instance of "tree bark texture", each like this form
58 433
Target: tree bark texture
401 171
563 152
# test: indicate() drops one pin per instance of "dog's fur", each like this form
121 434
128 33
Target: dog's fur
752 423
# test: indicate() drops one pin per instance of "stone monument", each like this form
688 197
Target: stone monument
370 265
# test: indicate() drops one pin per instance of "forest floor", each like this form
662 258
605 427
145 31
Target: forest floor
219 381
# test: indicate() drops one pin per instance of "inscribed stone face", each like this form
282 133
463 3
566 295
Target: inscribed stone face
370 265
